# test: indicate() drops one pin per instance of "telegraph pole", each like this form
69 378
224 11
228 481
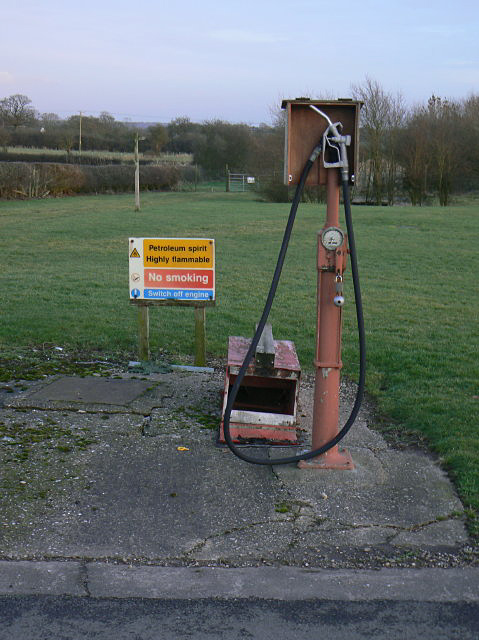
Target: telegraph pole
137 172
79 139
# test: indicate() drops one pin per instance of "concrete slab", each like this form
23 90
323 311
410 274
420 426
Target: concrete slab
46 578
147 500
266 541
283 583
103 580
94 486
92 390
448 533
93 394
391 488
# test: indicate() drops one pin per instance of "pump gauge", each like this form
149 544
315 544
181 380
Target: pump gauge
332 238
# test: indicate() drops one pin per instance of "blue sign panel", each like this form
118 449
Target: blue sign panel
177 294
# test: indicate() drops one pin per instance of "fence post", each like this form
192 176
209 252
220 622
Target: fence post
144 332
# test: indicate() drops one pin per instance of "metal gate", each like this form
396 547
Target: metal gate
238 182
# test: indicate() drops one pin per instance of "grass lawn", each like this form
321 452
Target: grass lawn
65 282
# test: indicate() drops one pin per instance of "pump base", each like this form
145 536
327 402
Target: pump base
335 458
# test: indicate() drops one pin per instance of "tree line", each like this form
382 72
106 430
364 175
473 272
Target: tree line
214 144
419 151
408 153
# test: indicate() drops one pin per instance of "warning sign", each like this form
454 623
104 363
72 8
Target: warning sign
181 269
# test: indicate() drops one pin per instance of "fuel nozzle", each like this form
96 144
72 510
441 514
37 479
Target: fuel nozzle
334 145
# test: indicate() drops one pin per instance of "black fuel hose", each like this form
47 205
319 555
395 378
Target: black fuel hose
269 302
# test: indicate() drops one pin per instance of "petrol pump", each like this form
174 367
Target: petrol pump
321 149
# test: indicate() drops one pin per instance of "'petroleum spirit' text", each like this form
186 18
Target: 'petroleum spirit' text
170 247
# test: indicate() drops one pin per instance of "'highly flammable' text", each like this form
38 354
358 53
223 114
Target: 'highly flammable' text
177 260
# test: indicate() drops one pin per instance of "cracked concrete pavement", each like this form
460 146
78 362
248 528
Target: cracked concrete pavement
138 478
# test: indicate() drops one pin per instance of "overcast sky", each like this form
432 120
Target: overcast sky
153 60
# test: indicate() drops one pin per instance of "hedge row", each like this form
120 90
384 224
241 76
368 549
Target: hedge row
39 180
86 158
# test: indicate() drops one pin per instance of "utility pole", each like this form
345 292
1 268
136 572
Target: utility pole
137 172
79 138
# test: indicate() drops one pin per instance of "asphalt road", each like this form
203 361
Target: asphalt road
72 618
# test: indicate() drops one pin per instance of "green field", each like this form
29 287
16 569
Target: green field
65 283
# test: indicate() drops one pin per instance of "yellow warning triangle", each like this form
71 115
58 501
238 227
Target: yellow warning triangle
134 254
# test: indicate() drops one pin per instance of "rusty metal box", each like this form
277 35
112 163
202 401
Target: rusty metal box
265 408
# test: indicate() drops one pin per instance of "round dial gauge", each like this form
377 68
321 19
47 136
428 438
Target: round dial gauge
332 238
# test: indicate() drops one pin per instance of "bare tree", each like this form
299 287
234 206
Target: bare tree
50 118
68 142
4 139
375 119
15 111
158 135
469 140
443 115
396 116
414 155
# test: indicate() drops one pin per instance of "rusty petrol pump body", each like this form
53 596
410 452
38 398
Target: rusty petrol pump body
331 263
321 149
332 255
308 121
